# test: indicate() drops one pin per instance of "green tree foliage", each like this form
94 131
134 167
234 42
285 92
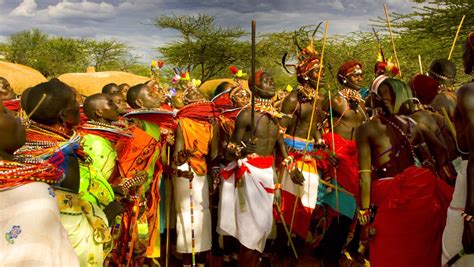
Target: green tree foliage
107 54
53 56
207 48
22 47
429 31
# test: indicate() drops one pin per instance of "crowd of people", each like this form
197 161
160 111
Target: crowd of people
148 176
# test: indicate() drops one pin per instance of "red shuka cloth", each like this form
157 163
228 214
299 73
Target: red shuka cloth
410 218
348 168
13 104
202 111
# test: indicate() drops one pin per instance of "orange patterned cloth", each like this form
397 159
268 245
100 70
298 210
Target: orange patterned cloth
197 137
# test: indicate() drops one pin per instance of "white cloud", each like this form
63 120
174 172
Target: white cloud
26 8
85 10
129 21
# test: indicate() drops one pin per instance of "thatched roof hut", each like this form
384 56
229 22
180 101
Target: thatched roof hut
209 86
92 82
20 76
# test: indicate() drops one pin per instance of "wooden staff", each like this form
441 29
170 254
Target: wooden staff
168 209
287 231
193 240
419 62
133 225
391 38
252 81
456 37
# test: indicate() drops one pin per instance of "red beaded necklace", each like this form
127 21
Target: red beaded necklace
14 173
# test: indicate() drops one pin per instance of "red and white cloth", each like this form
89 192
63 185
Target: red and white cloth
304 195
246 204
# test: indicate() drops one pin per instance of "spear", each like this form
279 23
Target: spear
456 37
252 81
391 37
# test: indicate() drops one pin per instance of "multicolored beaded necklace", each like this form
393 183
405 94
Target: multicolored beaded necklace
306 93
14 173
44 141
266 106
108 131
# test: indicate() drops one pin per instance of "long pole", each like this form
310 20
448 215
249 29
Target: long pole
456 37
421 65
168 208
252 80
391 37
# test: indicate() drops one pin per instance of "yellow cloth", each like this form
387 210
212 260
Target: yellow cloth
87 228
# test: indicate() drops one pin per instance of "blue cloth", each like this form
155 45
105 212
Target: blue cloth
364 92
298 144
347 203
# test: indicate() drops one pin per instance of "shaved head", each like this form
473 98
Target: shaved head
100 106
110 88
55 103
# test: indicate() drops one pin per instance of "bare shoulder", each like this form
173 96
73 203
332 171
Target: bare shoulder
290 102
465 96
369 128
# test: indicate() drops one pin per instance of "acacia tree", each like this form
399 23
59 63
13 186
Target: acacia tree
429 31
207 48
106 54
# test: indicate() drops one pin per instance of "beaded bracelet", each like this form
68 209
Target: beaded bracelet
288 160
277 186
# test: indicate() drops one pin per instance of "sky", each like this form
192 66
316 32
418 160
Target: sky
130 21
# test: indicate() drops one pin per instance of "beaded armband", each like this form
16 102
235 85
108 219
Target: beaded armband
136 180
277 186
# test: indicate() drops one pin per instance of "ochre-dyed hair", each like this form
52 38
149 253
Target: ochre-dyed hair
346 69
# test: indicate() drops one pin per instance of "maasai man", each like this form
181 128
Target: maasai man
299 194
29 221
110 88
196 143
444 72
53 112
6 91
96 194
124 87
8 96
433 124
120 102
98 140
351 75
410 200
246 211
229 103
146 102
458 236
346 112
